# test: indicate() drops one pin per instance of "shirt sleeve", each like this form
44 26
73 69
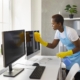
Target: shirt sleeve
56 35
73 35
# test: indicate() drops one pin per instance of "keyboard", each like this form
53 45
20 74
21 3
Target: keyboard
37 73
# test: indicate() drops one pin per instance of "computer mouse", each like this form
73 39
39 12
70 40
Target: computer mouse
35 64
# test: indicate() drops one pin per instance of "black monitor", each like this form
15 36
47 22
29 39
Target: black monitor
32 47
13 48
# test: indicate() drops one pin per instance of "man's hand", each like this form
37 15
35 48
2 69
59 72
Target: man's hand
37 36
65 54
39 39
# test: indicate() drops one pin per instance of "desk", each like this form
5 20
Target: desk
51 72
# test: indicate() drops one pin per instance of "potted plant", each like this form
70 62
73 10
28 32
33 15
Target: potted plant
71 9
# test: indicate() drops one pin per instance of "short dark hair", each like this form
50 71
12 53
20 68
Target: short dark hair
58 18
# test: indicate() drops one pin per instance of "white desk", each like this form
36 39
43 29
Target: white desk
51 72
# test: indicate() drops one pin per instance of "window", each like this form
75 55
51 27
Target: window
4 17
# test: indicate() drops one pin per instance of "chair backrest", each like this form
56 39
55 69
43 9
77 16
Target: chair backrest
74 69
63 65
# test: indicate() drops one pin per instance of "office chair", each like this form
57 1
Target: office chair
74 69
63 65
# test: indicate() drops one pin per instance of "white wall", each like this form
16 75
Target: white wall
26 14
36 15
21 14
6 15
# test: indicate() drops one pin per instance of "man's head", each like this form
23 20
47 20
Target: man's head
57 21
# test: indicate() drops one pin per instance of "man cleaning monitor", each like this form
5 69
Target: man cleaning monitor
69 37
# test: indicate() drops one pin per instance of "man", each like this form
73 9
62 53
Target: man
68 36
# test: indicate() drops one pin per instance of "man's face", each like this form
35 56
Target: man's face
55 25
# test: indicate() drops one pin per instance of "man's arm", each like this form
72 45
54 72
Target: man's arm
53 44
70 52
44 43
77 46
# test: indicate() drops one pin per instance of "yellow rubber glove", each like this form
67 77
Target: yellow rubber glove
39 39
65 54
37 36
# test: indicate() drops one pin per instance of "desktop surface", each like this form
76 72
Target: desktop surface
50 73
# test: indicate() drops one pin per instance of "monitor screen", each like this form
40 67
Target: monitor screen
32 47
13 46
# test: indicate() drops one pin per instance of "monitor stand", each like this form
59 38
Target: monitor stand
13 72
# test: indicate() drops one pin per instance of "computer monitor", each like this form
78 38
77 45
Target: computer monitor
32 47
13 48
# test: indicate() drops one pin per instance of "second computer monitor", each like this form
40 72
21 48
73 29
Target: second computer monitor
32 47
